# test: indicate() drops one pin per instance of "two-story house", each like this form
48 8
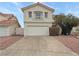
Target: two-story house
37 19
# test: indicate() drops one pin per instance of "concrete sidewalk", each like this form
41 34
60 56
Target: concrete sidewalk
37 46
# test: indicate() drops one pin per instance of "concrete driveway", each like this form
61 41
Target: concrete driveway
37 46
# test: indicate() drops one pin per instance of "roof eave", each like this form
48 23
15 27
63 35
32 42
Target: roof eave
51 9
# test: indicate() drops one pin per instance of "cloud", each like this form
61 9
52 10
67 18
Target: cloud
18 4
4 10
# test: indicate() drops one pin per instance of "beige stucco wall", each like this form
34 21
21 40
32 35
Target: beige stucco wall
19 31
12 29
38 8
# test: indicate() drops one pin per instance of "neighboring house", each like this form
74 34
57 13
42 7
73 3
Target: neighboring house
8 24
75 31
37 19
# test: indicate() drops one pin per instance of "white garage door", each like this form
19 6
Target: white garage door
36 31
3 31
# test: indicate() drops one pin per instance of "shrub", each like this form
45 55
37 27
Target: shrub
54 30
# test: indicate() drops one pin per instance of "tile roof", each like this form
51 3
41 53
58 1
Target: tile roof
7 22
11 19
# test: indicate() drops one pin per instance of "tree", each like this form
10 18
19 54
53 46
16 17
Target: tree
66 22
59 18
70 19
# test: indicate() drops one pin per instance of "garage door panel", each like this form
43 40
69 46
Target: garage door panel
36 31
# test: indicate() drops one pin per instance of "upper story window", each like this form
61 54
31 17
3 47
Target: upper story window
38 14
30 14
46 14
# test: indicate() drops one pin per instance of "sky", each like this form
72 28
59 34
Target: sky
60 7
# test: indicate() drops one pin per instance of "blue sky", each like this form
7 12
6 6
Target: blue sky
60 7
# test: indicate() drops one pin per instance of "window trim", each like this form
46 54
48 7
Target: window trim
38 14
46 14
30 14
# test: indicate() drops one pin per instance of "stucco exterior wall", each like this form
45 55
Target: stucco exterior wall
19 31
12 29
38 8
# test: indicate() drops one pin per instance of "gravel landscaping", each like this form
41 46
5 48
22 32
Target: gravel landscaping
71 42
8 41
